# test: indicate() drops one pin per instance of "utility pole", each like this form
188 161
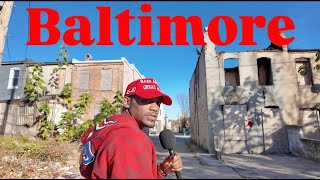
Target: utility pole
5 13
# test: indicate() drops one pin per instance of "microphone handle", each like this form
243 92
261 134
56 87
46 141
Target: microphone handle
178 174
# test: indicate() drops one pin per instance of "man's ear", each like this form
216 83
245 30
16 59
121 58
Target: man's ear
126 102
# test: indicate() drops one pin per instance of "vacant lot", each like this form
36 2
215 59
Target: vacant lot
29 157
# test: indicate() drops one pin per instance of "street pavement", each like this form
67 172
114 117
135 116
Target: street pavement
194 165
273 166
199 164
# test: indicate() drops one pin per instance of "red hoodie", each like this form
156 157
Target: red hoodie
117 149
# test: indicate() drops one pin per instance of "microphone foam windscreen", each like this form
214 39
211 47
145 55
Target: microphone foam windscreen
167 139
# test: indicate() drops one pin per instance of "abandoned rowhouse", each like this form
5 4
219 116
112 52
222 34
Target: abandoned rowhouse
17 116
262 104
100 78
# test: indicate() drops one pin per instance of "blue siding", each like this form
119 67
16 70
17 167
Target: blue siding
5 93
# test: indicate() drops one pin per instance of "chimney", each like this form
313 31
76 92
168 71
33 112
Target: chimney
88 57
284 47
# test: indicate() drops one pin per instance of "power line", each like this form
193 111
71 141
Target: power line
7 37
25 53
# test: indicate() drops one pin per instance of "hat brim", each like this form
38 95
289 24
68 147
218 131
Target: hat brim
165 98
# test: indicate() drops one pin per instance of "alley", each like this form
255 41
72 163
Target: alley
194 166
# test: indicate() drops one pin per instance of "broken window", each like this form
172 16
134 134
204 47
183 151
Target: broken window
231 72
303 71
264 71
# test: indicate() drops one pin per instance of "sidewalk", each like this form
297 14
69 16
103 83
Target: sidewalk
272 166
263 166
197 164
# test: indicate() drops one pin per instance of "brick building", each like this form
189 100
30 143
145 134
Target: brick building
102 79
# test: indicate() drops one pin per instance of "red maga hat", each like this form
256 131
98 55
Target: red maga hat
147 89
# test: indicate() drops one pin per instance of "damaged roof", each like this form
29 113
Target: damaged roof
273 48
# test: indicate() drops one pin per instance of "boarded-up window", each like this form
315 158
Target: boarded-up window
62 78
307 78
234 121
106 79
274 131
25 115
84 80
310 121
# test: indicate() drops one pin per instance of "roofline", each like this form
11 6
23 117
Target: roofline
289 50
274 50
121 60
52 63
12 63
301 50
75 61
26 61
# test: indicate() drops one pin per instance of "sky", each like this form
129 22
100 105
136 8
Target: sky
173 65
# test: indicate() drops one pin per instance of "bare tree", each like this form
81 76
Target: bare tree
183 101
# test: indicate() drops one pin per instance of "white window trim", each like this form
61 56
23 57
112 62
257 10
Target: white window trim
11 74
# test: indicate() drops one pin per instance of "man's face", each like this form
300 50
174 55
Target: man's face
145 111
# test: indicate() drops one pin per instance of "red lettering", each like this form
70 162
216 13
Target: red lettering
124 28
231 30
104 28
84 31
181 28
145 26
165 31
274 30
35 26
247 28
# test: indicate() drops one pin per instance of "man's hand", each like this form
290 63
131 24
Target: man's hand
171 164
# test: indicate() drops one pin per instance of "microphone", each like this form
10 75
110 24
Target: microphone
168 141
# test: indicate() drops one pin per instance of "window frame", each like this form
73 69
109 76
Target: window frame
81 77
102 85
310 74
265 61
11 77
237 72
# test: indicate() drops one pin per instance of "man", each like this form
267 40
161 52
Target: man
118 148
